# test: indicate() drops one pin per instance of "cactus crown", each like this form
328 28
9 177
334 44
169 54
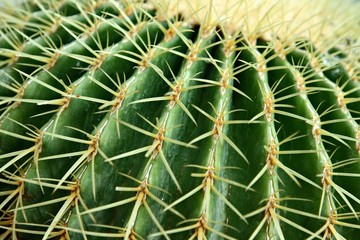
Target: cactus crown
177 120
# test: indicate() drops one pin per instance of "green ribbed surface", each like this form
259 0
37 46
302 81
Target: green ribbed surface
119 124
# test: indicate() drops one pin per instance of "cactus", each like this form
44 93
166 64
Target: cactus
171 120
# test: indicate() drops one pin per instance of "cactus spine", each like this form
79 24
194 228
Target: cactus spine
217 120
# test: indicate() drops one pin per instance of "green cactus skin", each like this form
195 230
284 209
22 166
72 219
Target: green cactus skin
121 119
